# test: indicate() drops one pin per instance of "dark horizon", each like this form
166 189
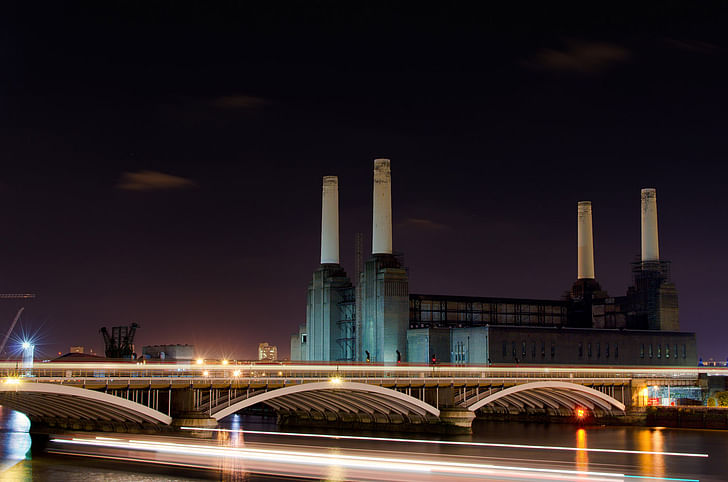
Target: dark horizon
162 165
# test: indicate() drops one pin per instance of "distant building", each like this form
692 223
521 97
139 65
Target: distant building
169 352
377 319
267 352
76 349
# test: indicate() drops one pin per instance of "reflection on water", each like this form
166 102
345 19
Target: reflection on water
15 444
653 440
582 458
232 468
16 462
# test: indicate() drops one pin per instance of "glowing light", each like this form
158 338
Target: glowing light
335 380
26 345
12 381
205 373
225 362
200 361
446 442
580 412
236 373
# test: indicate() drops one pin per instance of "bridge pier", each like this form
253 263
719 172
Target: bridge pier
185 414
457 419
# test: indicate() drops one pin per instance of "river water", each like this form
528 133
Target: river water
18 460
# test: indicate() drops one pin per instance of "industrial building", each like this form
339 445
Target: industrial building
267 352
377 319
169 352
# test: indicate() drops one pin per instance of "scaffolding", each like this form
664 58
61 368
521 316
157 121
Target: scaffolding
347 324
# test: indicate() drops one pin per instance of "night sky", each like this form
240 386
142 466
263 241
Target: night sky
162 164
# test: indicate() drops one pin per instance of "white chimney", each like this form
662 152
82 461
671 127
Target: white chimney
330 221
584 240
650 243
382 222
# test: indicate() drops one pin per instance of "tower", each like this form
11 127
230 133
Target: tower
384 300
652 298
585 289
330 297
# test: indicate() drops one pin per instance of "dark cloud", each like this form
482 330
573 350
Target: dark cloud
580 57
153 181
239 102
687 45
424 224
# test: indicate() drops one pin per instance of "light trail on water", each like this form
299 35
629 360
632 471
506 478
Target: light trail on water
449 442
295 462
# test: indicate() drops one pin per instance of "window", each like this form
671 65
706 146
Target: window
543 349
676 352
650 350
588 350
581 349
533 350
642 351
523 349
513 348
659 350
599 350
553 349
505 349
304 337
616 350
667 350
606 350
685 351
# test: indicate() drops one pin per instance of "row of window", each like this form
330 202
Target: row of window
659 351
455 306
598 350
524 350
507 319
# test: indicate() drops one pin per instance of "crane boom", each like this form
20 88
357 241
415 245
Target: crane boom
12 326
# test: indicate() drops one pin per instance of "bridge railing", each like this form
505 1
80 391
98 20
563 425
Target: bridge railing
348 371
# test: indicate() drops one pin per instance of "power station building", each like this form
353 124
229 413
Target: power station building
377 319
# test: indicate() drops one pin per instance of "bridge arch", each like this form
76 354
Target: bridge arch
346 397
550 395
63 401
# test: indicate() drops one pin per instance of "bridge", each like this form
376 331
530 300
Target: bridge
130 396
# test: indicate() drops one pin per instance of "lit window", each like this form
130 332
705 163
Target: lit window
659 350
642 351
667 350
650 350
685 351
606 350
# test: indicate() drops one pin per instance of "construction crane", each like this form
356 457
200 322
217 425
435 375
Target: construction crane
13 296
12 325
120 344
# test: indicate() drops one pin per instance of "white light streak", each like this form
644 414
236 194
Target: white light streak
449 442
